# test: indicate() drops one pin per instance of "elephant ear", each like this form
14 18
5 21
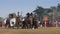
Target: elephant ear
31 14
27 14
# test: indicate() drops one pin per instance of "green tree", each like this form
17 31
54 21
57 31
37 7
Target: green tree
58 8
40 11
1 19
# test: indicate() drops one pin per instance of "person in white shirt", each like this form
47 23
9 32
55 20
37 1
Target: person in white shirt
5 21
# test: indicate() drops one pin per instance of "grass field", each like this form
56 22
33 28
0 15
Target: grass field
51 30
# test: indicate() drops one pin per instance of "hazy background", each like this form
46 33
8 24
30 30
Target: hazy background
13 6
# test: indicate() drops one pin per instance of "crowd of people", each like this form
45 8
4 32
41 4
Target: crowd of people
31 21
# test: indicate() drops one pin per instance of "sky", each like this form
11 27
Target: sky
24 6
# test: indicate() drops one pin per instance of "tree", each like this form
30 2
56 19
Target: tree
1 19
58 7
40 11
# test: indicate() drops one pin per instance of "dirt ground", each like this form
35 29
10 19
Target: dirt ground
49 30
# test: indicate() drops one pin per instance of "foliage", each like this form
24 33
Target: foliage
42 11
48 11
1 19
